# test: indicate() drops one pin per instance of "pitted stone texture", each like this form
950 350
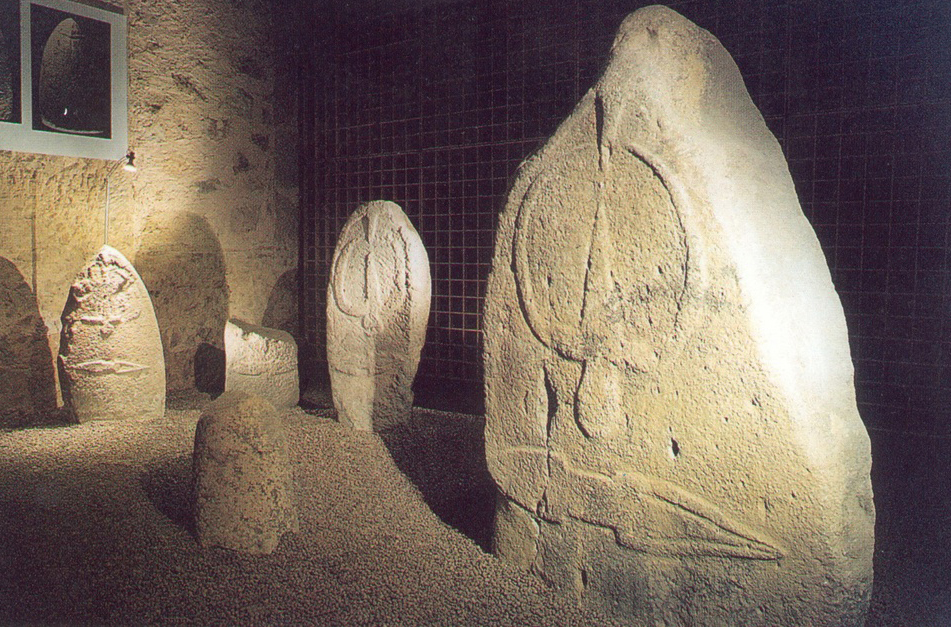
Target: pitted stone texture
261 361
377 310
671 418
244 487
110 358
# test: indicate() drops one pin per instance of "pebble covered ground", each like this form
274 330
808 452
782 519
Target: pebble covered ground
95 528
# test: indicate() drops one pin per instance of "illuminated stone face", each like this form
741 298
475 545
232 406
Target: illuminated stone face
261 361
670 414
110 360
377 309
244 488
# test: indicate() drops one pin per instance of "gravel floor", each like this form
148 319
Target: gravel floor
95 529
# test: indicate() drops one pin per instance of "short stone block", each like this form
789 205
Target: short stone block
261 361
244 487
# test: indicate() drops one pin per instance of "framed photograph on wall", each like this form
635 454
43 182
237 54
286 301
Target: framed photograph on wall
63 79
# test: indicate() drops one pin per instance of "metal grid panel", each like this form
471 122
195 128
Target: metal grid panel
435 108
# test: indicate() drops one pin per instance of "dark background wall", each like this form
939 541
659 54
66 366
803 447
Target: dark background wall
434 104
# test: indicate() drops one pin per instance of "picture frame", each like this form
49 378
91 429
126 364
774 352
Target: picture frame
63 79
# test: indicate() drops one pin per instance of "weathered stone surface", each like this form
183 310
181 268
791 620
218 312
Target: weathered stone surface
27 382
110 357
244 486
261 361
671 418
377 309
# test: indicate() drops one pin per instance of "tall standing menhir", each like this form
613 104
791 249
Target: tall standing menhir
670 412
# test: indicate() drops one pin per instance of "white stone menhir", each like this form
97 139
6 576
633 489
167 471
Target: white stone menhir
243 483
111 365
261 361
670 412
377 310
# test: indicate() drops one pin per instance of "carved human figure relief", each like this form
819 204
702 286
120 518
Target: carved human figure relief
377 310
111 364
669 394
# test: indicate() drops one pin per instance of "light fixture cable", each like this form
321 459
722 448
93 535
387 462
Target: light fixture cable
128 164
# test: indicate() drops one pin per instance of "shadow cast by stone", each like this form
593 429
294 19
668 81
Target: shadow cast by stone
27 384
281 310
210 369
443 455
183 266
169 488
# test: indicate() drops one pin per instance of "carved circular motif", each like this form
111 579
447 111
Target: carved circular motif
601 268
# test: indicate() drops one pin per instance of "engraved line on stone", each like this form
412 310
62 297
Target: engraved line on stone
550 403
246 371
406 261
103 366
635 507
519 459
560 337
591 285
596 295
108 323
752 544
341 271
372 294
599 126
680 201
541 328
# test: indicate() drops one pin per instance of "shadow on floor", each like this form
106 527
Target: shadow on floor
169 488
443 455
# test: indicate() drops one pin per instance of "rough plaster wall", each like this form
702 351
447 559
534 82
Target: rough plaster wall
213 126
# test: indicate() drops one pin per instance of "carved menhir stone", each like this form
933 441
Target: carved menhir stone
377 309
244 487
110 357
671 419
261 361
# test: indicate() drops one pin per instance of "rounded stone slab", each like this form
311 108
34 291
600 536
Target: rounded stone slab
670 412
111 365
261 361
244 487
377 310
